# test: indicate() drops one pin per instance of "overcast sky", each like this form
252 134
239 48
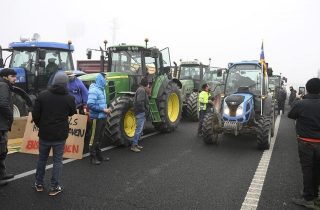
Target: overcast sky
224 30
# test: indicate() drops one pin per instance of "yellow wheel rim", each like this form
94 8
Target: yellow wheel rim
173 107
129 123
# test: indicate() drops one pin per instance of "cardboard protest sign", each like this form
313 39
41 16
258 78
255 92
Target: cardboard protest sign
74 144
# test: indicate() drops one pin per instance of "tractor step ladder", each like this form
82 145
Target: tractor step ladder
154 110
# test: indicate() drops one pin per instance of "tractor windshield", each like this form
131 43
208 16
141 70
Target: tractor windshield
126 61
54 60
190 72
212 76
244 75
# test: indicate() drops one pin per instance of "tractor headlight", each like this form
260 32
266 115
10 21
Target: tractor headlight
239 110
226 109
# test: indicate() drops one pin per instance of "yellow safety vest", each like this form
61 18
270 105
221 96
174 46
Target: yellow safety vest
203 100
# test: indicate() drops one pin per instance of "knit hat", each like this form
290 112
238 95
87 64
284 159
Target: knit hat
313 86
6 72
60 79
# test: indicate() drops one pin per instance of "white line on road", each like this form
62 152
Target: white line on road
28 173
253 195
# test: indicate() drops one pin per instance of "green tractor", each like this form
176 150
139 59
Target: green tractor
127 65
192 75
245 107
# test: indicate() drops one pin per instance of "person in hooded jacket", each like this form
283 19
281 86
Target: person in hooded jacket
50 114
7 79
306 112
97 104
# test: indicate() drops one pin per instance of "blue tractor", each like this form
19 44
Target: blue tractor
245 107
35 62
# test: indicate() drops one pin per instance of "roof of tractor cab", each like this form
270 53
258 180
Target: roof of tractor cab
48 45
126 47
255 62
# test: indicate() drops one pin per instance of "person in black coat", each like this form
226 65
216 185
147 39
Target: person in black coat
50 114
306 112
7 79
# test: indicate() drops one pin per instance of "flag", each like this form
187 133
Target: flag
262 60
262 54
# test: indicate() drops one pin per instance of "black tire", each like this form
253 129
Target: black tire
192 112
264 132
273 121
20 107
167 124
115 128
209 135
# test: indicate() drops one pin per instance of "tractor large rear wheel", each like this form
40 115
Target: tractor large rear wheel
20 107
121 123
170 108
264 132
192 107
210 134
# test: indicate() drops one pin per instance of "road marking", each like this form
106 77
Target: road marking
253 195
28 173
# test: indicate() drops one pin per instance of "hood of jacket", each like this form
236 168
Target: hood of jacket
101 81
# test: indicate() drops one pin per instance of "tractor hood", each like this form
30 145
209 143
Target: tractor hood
237 99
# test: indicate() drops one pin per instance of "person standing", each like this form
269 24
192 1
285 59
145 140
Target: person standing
292 96
97 104
203 101
78 90
141 108
306 112
282 96
50 114
7 79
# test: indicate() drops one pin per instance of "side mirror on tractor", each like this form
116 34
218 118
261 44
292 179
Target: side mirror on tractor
219 72
89 54
155 53
270 72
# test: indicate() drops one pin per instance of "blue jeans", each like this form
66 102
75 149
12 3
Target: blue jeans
44 150
140 118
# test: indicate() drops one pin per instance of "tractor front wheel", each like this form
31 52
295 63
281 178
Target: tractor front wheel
264 133
210 134
192 107
20 107
121 123
169 106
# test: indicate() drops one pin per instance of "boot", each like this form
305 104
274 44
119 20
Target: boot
3 174
94 160
100 156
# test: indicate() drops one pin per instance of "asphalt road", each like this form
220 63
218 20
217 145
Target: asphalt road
174 171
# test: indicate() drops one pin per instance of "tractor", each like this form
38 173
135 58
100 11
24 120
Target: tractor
245 107
127 65
192 75
35 62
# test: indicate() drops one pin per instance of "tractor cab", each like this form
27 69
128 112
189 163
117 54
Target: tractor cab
275 84
136 62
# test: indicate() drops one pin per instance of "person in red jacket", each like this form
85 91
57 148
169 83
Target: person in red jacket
306 112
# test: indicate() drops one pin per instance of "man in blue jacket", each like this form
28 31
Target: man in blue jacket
77 89
98 109
306 112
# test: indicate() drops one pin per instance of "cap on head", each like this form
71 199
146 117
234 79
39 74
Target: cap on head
70 73
313 86
6 72
144 82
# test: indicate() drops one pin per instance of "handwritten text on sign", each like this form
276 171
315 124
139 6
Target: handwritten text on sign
74 143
